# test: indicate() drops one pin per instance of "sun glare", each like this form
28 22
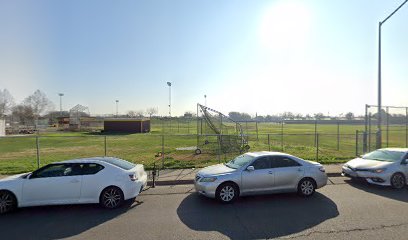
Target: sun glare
285 24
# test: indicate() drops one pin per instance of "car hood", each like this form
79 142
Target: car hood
216 170
367 163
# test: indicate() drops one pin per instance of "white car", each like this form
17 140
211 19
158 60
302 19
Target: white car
386 167
105 180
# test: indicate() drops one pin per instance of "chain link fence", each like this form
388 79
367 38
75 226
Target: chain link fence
27 153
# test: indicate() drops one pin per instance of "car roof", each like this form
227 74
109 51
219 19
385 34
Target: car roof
265 153
88 160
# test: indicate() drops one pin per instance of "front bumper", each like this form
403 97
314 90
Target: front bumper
382 179
207 189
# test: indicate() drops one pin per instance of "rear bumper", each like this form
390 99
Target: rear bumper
132 189
321 180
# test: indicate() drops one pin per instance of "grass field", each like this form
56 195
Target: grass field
19 154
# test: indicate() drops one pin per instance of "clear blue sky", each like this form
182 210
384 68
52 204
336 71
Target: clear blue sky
253 56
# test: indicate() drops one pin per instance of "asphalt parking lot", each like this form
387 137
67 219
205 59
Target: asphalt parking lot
341 210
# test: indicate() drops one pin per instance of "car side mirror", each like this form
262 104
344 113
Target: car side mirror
250 168
404 162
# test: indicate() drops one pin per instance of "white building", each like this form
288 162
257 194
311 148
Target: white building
2 127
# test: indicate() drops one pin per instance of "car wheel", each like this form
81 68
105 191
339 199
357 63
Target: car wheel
397 180
306 187
227 193
8 202
111 197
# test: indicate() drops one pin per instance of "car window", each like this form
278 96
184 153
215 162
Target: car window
261 163
283 161
91 168
54 170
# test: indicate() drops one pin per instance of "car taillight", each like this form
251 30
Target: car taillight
133 177
322 169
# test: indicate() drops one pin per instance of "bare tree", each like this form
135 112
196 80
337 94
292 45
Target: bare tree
23 114
151 111
39 103
135 114
6 102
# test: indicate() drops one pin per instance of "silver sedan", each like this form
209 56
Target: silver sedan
386 167
260 173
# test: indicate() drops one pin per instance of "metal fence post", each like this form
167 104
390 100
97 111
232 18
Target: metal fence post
269 143
256 126
162 155
37 143
219 148
315 130
105 145
282 135
388 125
356 142
369 132
317 147
338 136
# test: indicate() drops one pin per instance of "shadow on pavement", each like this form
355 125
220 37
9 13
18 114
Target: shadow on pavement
388 192
55 222
256 217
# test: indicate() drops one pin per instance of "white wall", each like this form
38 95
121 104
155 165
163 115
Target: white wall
2 127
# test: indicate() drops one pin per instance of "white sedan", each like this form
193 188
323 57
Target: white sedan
105 180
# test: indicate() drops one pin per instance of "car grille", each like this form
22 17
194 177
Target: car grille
357 169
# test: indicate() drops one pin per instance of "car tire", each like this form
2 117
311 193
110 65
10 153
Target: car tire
111 197
398 181
227 192
306 187
8 202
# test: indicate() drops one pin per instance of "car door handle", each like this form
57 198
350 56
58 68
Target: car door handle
74 181
299 170
270 172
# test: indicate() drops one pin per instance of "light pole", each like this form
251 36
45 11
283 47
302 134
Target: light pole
169 84
60 95
379 138
205 100
117 103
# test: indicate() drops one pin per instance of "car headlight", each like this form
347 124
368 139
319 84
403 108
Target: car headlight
380 170
208 179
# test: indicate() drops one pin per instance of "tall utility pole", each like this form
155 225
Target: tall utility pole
169 84
379 138
117 108
60 95
205 100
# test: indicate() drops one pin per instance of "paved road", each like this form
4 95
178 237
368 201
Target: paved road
341 210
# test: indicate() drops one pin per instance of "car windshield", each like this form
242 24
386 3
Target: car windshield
239 161
384 155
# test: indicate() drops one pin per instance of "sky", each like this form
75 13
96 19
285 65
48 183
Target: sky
264 57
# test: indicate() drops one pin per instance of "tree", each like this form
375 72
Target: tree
6 102
318 116
39 103
23 114
151 111
349 116
188 114
135 114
